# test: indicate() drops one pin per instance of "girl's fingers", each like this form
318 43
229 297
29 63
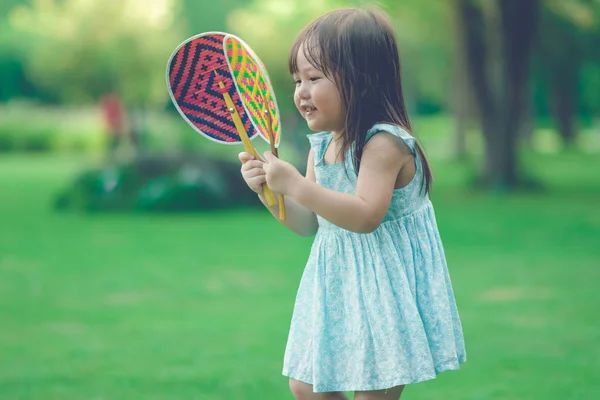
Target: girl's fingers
254 173
252 164
256 183
245 157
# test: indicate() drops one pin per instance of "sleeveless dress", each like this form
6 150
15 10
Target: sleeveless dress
374 310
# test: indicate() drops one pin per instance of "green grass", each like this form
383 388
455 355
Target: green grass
197 306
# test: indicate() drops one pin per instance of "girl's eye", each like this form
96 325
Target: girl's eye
313 79
297 82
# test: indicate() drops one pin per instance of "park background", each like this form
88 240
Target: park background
134 264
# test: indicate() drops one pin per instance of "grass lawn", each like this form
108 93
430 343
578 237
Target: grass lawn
197 306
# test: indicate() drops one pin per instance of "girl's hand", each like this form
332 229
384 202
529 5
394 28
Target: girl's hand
252 171
280 175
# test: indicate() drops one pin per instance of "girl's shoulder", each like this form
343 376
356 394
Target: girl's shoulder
395 130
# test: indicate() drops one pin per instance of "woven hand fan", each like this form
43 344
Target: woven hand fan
221 88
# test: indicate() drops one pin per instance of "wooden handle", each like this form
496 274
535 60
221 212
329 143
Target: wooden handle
269 196
280 198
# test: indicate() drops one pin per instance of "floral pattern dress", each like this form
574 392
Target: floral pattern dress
374 310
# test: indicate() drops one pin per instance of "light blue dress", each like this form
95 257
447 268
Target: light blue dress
374 310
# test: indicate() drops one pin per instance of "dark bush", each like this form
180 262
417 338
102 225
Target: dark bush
161 184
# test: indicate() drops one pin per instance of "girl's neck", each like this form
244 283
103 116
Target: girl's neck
337 135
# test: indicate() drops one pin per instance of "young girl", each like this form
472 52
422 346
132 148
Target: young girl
375 309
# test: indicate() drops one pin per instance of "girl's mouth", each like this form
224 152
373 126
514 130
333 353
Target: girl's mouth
308 111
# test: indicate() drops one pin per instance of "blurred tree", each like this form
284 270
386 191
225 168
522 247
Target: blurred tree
426 50
569 47
13 80
81 49
7 5
461 99
591 91
201 18
498 39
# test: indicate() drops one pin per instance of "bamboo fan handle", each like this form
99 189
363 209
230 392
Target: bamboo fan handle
269 196
280 197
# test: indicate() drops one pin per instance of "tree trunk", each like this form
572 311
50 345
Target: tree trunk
460 95
498 40
526 128
562 57
562 103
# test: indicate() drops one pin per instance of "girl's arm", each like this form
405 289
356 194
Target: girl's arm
383 158
299 219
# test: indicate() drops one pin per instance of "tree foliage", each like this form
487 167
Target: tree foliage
82 49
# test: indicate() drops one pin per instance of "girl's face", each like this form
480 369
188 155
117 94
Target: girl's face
317 97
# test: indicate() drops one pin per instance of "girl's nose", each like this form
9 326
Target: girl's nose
302 92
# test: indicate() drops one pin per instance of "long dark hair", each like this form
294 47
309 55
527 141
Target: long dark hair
357 49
